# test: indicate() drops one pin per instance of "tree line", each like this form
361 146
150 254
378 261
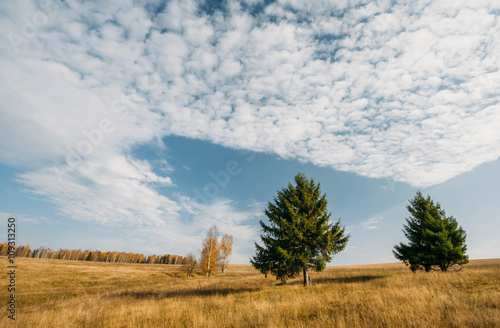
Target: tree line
88 255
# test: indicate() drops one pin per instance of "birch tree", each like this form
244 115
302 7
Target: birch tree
226 249
210 251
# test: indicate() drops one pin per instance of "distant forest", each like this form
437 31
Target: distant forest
88 255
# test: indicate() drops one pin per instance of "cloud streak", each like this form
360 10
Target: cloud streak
370 224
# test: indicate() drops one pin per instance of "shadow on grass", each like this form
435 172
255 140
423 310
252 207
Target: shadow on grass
346 280
201 292
339 280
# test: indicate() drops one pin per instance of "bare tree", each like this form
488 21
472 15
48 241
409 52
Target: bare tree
190 264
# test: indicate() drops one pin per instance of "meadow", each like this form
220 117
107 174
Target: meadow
61 293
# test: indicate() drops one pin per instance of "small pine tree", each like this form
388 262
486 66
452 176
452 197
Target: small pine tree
434 239
300 236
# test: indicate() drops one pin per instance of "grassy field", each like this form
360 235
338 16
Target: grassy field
56 293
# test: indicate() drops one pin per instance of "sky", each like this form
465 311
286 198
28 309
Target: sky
134 127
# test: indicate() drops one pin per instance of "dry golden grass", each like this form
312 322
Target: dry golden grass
56 293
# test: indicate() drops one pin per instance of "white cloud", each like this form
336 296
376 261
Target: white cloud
403 92
370 224
23 218
110 191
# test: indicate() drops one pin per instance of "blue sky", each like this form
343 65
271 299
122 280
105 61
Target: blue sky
131 127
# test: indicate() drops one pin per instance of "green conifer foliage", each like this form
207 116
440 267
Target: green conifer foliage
435 241
299 236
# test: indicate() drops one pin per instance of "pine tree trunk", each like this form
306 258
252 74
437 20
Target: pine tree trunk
307 279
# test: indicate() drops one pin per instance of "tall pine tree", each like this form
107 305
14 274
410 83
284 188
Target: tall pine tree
299 236
435 240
